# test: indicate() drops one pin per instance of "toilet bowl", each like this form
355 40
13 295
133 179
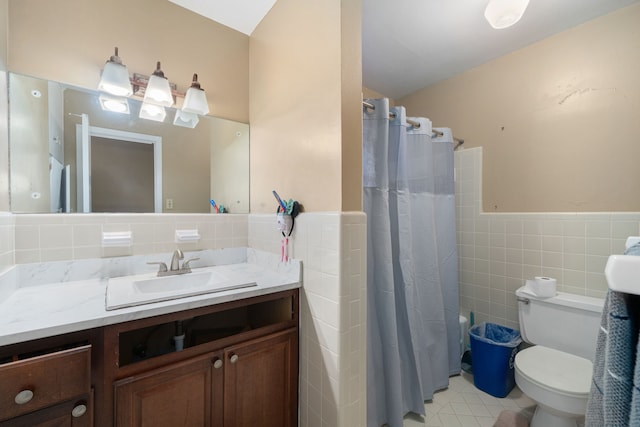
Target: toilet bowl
556 373
558 382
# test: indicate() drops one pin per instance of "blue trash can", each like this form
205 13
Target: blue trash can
493 349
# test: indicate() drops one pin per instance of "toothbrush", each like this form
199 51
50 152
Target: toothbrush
280 202
213 204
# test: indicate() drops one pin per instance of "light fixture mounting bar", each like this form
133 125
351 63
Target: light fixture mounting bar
140 82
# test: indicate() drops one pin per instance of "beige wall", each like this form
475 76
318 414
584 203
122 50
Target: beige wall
351 68
315 150
557 120
304 111
70 40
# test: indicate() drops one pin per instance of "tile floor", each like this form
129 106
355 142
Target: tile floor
463 405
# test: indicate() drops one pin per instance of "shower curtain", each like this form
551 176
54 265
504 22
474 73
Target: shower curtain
412 275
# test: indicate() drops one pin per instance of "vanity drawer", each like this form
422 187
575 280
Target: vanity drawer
38 382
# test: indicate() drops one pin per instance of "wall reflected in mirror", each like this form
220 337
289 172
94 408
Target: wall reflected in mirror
67 154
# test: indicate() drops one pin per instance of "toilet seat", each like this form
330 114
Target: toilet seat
556 371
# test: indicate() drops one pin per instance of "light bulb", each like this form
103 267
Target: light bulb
505 13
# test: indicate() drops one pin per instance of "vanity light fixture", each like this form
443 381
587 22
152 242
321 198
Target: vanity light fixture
153 112
115 77
195 101
505 13
158 90
184 119
117 104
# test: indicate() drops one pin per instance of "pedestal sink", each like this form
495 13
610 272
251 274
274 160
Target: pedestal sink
128 291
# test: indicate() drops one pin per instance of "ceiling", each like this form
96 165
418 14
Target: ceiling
241 15
411 44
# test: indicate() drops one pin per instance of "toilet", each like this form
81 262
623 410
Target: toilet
556 371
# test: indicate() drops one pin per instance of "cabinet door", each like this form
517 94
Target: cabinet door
261 382
175 395
74 413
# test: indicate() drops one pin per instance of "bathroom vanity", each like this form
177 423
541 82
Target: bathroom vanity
223 359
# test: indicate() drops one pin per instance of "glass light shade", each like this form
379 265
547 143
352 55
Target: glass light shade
187 120
504 13
153 112
113 103
158 91
195 102
115 79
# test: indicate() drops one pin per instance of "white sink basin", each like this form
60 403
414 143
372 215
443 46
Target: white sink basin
623 273
130 291
171 283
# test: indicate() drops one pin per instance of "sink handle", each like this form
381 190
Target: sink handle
162 266
186 266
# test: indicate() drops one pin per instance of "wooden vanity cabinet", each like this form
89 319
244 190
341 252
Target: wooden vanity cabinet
239 367
250 384
46 383
222 378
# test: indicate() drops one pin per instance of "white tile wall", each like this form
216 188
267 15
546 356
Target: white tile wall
7 243
333 313
498 252
42 237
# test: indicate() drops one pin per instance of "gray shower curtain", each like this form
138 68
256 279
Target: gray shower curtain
412 273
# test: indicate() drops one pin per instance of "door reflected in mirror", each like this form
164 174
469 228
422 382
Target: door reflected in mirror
67 154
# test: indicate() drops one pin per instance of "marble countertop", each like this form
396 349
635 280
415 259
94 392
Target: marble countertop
36 308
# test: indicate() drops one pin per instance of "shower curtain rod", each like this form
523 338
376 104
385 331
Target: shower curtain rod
413 123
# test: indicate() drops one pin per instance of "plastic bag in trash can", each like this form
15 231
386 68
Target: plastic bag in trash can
496 334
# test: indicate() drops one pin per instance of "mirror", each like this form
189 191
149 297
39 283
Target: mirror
67 154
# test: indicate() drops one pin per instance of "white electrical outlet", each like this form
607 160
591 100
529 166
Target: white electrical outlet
169 204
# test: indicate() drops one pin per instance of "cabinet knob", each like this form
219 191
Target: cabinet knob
233 358
79 410
23 397
217 363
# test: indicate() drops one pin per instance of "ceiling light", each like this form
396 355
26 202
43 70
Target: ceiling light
504 13
113 103
158 90
115 77
195 101
152 112
187 120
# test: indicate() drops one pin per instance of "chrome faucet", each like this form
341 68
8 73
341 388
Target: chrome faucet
174 266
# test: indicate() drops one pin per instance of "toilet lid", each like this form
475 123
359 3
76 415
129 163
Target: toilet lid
556 370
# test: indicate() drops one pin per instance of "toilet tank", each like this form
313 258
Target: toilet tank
566 322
